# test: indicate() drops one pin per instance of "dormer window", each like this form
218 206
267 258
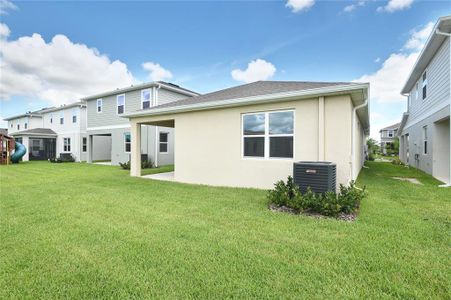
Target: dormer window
74 116
425 83
120 104
146 99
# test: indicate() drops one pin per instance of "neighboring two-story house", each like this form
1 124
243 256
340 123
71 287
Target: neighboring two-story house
48 132
424 132
387 136
109 133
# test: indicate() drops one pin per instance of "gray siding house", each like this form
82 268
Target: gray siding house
424 131
109 133
387 136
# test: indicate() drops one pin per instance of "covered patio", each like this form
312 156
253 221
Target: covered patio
135 131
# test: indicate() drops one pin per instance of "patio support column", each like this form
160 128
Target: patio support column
135 159
321 155
90 148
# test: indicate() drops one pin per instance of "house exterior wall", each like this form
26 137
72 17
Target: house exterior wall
109 122
417 157
69 129
209 143
31 121
438 87
428 112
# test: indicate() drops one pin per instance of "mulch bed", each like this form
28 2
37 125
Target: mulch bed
344 217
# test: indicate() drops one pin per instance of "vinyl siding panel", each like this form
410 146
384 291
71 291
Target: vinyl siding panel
438 86
109 115
166 96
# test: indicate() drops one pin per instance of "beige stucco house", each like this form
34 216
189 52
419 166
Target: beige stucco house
250 135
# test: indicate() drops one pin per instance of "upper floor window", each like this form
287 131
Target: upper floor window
425 83
62 118
120 104
84 144
164 142
51 118
74 116
425 140
99 105
268 134
390 133
25 125
146 98
18 126
12 125
127 142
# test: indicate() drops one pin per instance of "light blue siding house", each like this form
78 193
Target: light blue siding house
109 133
424 132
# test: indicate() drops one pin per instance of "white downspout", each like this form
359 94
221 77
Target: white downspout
354 113
437 31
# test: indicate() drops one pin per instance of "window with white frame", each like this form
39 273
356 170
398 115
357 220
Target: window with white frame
120 104
25 125
390 133
84 144
66 144
146 99
12 125
18 126
127 142
425 83
74 116
163 142
425 140
268 134
99 105
51 118
62 118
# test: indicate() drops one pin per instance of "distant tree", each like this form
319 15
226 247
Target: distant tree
372 145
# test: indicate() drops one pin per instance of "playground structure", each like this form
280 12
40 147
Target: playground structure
7 145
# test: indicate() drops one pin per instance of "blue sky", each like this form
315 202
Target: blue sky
207 46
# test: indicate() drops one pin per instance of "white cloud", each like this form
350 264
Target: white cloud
352 7
258 69
4 31
156 72
377 60
395 5
387 82
299 5
418 37
59 71
387 104
6 5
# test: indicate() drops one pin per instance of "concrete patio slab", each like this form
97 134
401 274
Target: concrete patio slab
167 176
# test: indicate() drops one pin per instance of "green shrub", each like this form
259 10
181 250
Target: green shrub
146 164
397 161
371 157
329 204
283 193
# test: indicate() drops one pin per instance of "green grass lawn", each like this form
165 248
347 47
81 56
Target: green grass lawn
91 231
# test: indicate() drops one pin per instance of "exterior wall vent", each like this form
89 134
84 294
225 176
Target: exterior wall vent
320 176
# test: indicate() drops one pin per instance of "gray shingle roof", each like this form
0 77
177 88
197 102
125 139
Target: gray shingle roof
391 127
252 89
35 131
